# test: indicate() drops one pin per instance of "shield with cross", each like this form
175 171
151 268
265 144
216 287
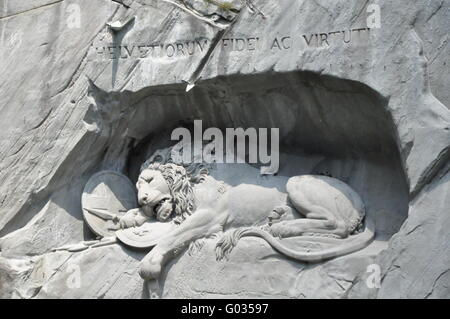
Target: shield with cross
107 196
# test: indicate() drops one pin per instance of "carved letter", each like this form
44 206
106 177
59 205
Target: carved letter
324 38
190 48
285 41
172 50
275 44
251 44
308 42
350 36
225 42
205 44
112 52
130 53
180 48
100 50
143 52
122 54
240 47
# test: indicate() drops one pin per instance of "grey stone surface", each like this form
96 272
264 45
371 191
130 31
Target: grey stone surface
416 265
78 99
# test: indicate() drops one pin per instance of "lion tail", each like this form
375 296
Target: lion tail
348 246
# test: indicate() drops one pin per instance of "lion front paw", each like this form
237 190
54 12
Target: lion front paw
149 271
151 266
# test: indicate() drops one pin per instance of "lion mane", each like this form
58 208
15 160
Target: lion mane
180 177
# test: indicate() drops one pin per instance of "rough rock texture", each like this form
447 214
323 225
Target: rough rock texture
253 271
76 98
417 263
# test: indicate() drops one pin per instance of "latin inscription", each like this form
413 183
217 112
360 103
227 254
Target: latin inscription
155 50
185 49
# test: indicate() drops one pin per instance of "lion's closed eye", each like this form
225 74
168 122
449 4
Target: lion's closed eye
146 177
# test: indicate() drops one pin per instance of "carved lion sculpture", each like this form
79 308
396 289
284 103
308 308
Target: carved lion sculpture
314 205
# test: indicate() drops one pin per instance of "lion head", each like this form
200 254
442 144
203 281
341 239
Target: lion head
165 191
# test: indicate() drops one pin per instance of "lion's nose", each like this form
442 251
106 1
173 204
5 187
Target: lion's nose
143 199
149 198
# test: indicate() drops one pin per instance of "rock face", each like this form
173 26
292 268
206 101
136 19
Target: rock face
362 98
